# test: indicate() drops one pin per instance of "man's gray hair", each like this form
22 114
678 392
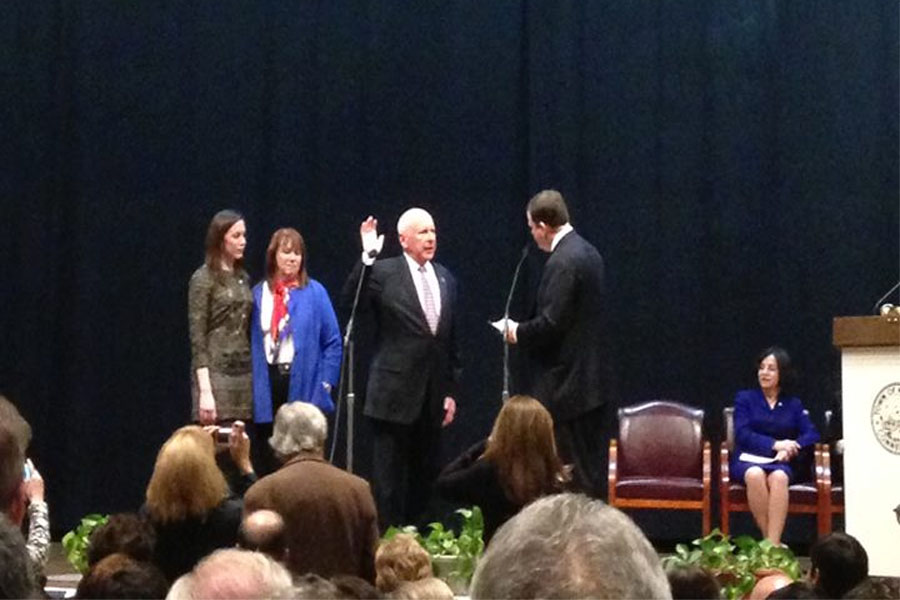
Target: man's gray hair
299 427
412 216
570 546
233 573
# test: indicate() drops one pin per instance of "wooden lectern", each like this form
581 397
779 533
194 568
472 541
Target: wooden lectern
870 368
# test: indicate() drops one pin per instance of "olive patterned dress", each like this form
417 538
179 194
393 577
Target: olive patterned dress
219 305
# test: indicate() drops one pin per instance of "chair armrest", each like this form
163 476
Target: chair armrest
823 468
707 465
613 471
724 460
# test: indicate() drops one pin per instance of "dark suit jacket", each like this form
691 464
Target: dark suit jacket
330 517
410 364
566 336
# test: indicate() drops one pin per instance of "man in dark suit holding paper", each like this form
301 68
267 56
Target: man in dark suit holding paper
566 338
416 367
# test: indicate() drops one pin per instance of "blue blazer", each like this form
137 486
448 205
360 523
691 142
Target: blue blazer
757 427
317 350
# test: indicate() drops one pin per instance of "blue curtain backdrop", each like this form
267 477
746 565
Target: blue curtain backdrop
736 162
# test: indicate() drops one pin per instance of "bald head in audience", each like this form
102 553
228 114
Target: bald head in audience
263 531
569 546
769 584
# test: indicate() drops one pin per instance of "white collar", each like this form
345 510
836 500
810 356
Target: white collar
414 266
563 230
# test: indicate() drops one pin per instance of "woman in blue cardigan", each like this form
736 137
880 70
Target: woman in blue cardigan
770 424
294 336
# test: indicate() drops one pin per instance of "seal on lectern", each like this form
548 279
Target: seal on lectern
886 417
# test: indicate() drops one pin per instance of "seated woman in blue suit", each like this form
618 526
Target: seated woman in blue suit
295 340
770 423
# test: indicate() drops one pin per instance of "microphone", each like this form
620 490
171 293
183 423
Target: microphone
512 288
372 253
883 298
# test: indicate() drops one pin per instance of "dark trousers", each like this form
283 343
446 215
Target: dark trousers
406 461
583 442
264 461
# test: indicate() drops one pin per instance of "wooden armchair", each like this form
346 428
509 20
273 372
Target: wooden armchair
660 459
804 496
831 473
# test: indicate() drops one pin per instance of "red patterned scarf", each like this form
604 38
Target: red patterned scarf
279 305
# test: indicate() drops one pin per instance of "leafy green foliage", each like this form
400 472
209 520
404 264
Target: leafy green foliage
440 541
735 562
75 543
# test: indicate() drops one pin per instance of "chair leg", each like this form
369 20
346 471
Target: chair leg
706 519
724 511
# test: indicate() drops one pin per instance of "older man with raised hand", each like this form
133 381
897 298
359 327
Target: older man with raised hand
330 520
416 368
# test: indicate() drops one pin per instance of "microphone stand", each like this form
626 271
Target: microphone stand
347 377
883 298
504 396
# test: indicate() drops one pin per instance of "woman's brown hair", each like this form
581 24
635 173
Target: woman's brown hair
523 448
186 481
288 240
221 222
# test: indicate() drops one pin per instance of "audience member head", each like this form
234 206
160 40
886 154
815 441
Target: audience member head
769 584
299 427
838 562
12 464
876 588
286 239
186 480
692 582
181 588
16 578
15 422
569 546
120 576
523 448
400 559
125 533
264 531
798 590
218 248
352 587
430 588
234 573
313 587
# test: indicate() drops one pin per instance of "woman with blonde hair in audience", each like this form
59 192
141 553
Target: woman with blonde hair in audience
189 502
398 560
515 465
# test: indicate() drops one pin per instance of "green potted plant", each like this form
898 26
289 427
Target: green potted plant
453 557
736 563
75 543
